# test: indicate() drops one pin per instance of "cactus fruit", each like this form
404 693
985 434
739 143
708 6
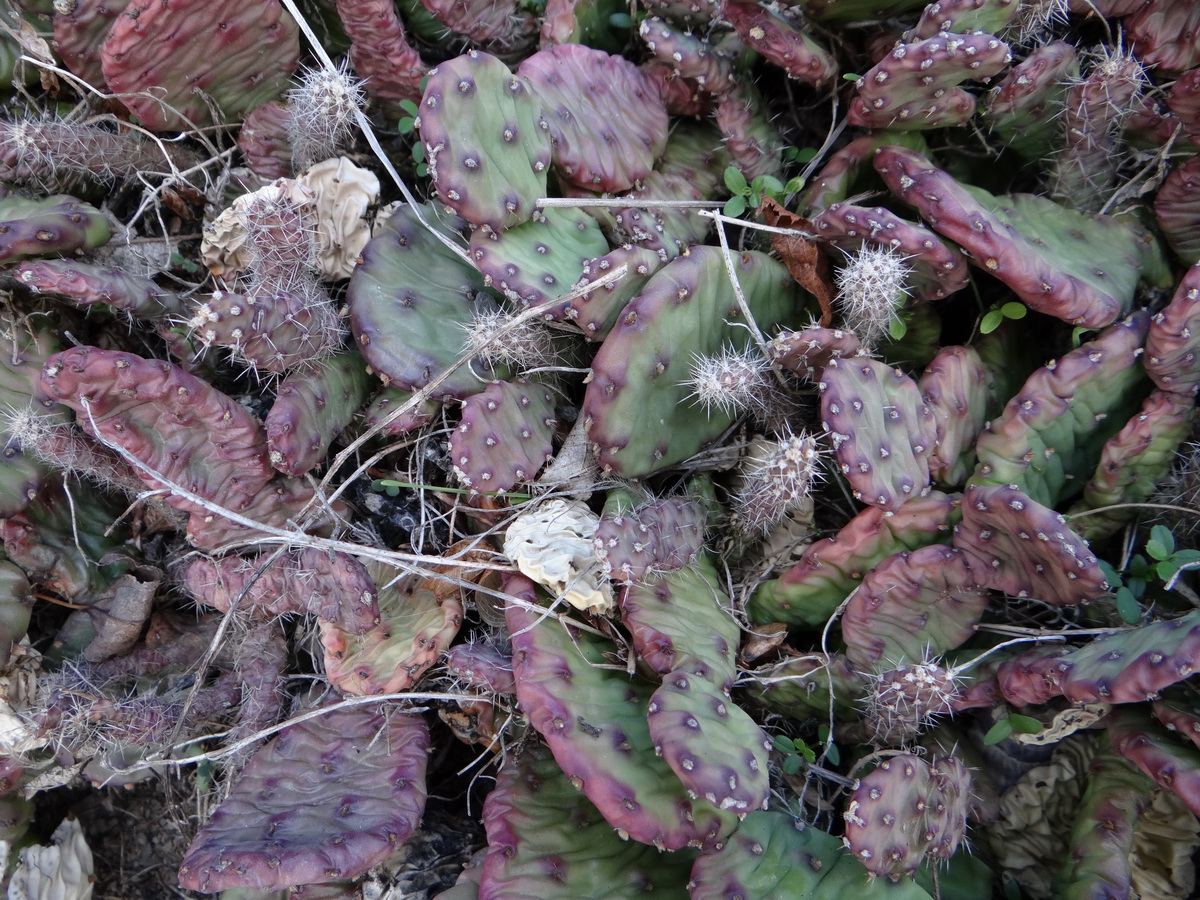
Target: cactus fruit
238 55
931 269
916 86
322 114
487 140
777 479
902 702
272 331
1082 270
505 435
882 830
606 120
732 381
281 826
881 430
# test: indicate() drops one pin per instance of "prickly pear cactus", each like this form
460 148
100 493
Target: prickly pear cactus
280 826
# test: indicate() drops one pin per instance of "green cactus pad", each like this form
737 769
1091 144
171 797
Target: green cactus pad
912 605
683 628
636 403
1124 667
594 720
311 409
915 87
881 429
1024 109
1169 764
53 226
325 801
540 259
963 17
84 284
1132 463
809 592
800 687
772 855
1052 432
955 388
1080 269
486 139
1103 834
416 625
608 121
1172 350
409 298
176 53
1016 545
505 435
544 841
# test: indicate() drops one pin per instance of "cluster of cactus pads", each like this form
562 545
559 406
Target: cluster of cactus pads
380 378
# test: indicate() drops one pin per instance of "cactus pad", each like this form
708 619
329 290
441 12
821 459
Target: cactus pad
504 438
325 801
487 140
238 54
1080 269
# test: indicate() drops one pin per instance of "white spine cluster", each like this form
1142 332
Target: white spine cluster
527 346
872 286
732 382
778 480
323 110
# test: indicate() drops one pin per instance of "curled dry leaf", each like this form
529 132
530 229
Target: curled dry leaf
803 257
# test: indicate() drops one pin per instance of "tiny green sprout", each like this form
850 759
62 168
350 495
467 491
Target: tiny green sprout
418 155
408 122
1010 724
850 76
897 328
802 157
1162 563
995 316
1077 334
833 754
